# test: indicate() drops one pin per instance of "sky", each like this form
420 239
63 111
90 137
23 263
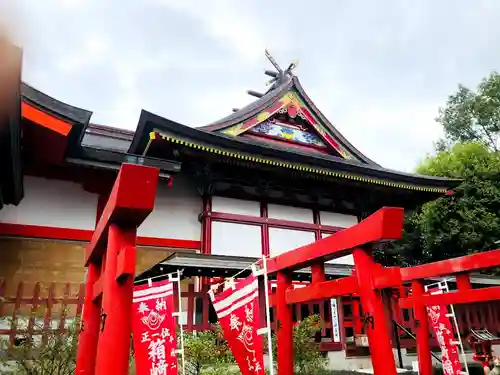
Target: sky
379 70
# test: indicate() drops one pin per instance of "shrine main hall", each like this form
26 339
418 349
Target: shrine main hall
271 176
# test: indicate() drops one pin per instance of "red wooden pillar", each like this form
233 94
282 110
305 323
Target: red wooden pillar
91 316
87 341
463 281
356 316
423 346
113 350
373 306
285 325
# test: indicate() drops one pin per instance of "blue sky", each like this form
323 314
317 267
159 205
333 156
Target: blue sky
378 70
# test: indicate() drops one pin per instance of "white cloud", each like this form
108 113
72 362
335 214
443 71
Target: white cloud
93 50
236 23
378 70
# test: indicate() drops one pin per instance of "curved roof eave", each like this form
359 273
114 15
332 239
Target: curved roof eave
150 122
260 104
56 107
250 109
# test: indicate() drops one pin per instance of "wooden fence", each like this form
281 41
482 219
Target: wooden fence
37 310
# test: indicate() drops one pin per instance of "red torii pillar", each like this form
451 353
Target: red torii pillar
104 343
370 278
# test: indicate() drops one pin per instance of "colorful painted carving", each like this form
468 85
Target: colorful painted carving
291 133
292 104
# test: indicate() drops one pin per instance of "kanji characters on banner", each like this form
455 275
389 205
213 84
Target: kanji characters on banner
237 309
154 329
443 330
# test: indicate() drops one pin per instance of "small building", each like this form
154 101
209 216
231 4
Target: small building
269 177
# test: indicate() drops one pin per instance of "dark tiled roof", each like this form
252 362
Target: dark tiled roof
149 122
259 105
69 112
251 109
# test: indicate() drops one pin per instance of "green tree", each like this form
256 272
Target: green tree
466 222
473 116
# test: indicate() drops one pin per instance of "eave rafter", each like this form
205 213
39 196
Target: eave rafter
44 119
155 136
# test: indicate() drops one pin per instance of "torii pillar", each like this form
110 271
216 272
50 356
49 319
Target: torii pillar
104 342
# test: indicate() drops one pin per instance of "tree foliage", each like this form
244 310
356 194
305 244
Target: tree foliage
468 221
473 116
464 223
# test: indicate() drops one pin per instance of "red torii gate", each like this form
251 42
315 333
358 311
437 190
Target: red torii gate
110 257
104 342
368 280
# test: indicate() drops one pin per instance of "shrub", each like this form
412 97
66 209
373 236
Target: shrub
56 355
207 352
308 359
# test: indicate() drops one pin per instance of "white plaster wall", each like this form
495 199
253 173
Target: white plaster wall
176 212
277 211
348 259
235 206
337 220
283 240
236 239
53 203
342 221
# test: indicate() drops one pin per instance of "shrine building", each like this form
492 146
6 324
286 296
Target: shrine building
270 177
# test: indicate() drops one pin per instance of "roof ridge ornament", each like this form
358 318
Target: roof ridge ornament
280 75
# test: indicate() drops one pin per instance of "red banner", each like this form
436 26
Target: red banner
238 311
443 330
154 329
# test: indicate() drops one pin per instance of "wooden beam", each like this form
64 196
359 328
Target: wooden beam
323 290
474 262
44 119
130 202
456 298
385 224
387 277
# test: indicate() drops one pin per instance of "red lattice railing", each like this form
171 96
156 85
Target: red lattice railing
22 308
25 308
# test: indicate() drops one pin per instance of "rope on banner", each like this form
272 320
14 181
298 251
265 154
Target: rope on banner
230 280
162 276
177 279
